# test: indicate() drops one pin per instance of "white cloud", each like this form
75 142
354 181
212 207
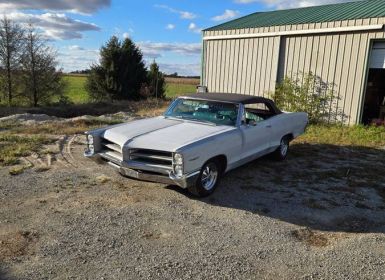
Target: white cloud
155 50
170 26
228 14
187 15
71 59
55 25
75 48
182 14
123 33
74 6
192 69
74 57
194 28
284 4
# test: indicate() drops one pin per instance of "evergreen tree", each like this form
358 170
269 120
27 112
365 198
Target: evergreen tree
156 82
120 74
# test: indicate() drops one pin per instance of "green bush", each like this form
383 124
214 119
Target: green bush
306 93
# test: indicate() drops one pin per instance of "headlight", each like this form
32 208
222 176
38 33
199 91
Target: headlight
91 149
178 165
178 169
178 159
90 139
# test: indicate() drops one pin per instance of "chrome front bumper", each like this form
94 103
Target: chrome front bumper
184 182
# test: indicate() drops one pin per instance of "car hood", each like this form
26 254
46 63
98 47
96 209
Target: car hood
161 133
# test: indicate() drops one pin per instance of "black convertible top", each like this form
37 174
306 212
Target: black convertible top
235 98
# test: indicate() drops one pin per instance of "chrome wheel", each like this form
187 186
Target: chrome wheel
209 176
284 147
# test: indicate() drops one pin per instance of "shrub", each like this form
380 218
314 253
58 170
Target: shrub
306 93
378 122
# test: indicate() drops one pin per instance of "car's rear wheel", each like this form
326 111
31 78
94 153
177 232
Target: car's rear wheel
283 149
208 179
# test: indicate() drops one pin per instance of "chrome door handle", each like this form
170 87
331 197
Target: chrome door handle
268 126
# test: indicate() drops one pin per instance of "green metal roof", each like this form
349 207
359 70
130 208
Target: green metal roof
325 13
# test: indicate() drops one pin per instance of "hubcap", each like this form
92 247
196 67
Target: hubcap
209 176
284 147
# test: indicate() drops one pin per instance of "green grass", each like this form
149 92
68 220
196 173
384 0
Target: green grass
76 91
12 147
359 136
175 89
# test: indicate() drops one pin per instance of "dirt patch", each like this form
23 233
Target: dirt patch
16 244
314 238
102 179
16 170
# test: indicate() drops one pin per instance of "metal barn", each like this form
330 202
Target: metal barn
342 44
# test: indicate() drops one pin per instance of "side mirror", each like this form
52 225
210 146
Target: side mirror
252 123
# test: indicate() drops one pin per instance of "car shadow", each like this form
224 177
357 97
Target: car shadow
5 275
322 187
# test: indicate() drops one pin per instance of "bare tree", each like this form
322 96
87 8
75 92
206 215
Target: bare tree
11 45
41 80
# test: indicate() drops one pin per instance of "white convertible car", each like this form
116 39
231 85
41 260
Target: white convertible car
198 139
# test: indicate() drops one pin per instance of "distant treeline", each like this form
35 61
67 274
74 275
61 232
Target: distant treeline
174 75
81 72
183 77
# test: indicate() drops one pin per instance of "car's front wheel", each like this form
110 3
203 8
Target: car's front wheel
208 179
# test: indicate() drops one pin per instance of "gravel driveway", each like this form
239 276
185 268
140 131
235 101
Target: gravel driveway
318 215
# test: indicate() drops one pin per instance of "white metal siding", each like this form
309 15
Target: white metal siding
253 65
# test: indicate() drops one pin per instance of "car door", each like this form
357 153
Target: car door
279 127
255 139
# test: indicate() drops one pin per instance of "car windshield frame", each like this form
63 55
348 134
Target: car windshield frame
212 121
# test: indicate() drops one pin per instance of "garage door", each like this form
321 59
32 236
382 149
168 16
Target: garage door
377 59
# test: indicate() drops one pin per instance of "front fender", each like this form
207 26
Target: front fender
228 144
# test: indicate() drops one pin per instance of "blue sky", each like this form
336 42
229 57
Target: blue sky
166 30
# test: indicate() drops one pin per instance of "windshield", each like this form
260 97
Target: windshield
218 113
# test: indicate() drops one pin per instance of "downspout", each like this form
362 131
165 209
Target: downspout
203 55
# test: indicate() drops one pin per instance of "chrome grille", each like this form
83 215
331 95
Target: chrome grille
152 157
111 151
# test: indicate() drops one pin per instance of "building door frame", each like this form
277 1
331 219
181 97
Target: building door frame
366 78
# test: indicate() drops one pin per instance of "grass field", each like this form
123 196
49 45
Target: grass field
179 86
77 94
